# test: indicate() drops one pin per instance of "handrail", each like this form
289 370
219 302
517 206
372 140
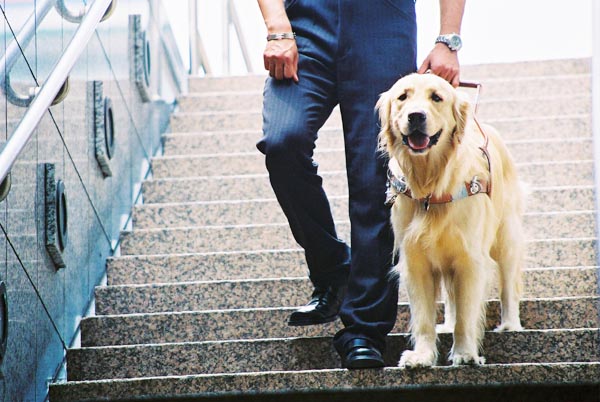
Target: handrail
198 56
169 46
70 16
51 87
235 21
13 51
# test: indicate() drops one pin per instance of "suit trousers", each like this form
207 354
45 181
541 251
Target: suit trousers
350 51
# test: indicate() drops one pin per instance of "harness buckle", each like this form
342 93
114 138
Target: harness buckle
475 187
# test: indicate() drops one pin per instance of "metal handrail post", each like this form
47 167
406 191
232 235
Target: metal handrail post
234 19
51 87
193 27
198 56
226 38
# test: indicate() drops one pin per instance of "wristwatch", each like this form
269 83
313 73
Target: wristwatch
453 41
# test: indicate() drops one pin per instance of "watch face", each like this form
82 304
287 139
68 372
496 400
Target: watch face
455 42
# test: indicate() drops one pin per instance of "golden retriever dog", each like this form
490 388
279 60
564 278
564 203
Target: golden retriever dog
456 215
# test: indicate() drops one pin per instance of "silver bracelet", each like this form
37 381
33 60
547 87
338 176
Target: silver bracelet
283 35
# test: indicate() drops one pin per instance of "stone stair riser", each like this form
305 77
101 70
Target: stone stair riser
198 299
234 188
195 143
357 385
169 216
311 353
333 160
291 292
532 87
208 326
252 118
546 71
272 236
142 269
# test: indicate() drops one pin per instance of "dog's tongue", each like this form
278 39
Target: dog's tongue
418 141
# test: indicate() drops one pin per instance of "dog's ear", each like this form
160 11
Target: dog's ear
384 107
461 110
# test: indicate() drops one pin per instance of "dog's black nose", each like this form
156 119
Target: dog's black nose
416 118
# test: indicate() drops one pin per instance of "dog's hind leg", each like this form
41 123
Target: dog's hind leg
470 286
510 260
422 285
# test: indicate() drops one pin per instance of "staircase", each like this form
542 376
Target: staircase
196 305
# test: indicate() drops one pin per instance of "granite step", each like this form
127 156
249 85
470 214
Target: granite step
202 239
287 354
538 382
198 143
291 291
136 329
144 269
541 87
248 187
226 213
223 164
251 119
546 71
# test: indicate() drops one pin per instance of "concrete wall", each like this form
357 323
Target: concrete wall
45 304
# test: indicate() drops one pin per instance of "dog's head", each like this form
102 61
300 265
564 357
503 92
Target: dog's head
419 114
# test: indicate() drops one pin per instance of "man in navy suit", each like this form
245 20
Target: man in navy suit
320 54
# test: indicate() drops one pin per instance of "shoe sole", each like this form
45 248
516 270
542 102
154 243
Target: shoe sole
364 363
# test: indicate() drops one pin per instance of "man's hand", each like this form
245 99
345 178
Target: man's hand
281 59
443 62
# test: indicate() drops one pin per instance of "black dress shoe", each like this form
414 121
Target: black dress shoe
324 306
361 353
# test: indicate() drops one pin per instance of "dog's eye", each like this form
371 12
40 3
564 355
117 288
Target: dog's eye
402 97
435 97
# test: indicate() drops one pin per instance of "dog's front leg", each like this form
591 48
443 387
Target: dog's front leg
470 287
422 285
449 308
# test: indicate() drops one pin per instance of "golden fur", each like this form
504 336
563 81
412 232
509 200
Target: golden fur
459 244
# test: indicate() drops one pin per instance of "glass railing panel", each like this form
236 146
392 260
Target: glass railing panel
25 268
23 68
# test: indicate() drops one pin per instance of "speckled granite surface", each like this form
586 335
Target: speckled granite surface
173 309
549 346
546 198
251 119
333 160
336 380
290 292
279 236
196 143
216 325
538 225
493 89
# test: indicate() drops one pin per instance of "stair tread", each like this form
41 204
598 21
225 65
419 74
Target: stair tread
294 291
277 354
168 327
178 316
536 154
286 383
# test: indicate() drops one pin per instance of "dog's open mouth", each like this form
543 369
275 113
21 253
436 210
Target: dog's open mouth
419 142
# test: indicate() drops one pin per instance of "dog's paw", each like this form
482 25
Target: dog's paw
466 359
509 326
444 328
411 359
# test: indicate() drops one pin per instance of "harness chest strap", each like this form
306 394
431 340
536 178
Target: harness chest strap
398 185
